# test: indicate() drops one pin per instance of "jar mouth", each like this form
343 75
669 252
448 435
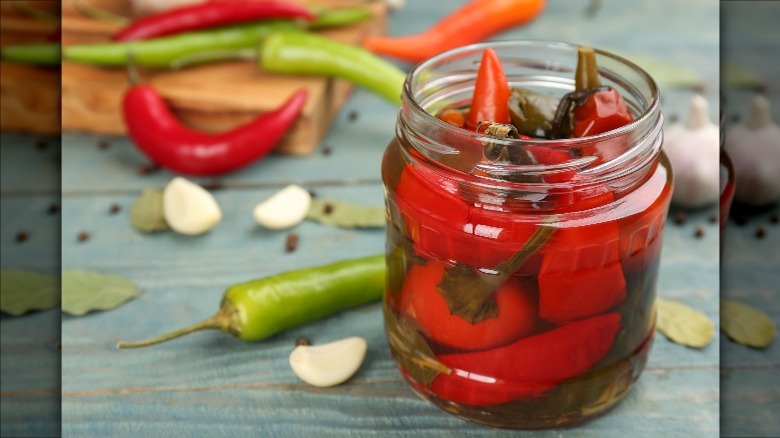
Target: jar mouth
425 84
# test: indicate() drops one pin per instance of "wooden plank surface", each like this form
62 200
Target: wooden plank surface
211 98
29 357
212 385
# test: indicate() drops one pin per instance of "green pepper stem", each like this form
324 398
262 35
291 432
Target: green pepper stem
587 72
133 76
100 14
220 321
35 13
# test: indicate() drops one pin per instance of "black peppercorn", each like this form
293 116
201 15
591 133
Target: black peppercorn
292 242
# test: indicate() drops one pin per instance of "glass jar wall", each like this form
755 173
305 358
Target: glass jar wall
521 295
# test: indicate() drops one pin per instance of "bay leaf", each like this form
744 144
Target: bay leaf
412 351
746 325
345 214
86 291
146 214
469 292
665 73
22 291
737 76
682 324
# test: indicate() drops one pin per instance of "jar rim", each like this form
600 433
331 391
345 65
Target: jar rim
649 111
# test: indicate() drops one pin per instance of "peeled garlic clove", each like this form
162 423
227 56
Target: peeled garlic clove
328 364
395 5
188 208
285 209
693 149
754 149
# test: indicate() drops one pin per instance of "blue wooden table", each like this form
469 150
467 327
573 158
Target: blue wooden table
210 384
750 378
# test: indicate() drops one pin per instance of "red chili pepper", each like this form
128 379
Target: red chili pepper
516 300
528 367
472 23
491 93
168 143
602 111
207 15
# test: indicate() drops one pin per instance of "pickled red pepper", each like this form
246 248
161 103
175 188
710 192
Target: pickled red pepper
542 361
604 109
491 93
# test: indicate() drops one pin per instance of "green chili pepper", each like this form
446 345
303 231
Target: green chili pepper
43 54
162 52
339 17
305 53
258 309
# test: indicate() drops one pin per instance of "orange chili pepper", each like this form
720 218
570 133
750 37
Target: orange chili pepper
474 22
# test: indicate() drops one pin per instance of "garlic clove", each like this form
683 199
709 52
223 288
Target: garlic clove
328 364
395 5
189 208
754 149
284 209
693 150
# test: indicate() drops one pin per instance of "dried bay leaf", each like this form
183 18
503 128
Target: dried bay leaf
746 325
22 291
666 73
345 214
738 76
146 214
682 324
85 291
469 292
413 352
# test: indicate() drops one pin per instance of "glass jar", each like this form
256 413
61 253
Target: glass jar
521 295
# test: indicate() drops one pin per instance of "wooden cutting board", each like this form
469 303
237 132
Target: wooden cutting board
210 98
29 96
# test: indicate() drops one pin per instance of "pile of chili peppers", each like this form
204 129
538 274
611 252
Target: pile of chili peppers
556 319
216 31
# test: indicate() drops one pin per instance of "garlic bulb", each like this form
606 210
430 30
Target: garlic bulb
693 149
754 149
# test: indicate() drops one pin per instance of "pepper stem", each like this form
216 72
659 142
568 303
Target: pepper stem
100 14
133 76
35 13
587 72
220 321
